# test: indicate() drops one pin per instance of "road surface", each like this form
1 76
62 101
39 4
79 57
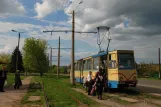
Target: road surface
149 86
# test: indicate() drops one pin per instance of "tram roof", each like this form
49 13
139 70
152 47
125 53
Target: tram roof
99 54
105 53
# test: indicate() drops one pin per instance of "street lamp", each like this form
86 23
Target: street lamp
19 34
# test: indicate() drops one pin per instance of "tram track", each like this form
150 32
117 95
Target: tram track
75 99
81 104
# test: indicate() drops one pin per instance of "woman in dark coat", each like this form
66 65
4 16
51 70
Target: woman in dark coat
18 81
99 84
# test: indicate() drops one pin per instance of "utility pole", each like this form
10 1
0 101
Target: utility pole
48 63
19 34
73 45
72 52
50 59
159 62
17 51
58 67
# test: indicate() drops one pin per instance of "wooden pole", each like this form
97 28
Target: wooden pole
159 62
51 59
58 67
72 52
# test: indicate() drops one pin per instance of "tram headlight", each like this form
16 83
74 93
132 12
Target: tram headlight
134 78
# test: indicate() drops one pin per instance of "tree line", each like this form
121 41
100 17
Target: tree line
33 57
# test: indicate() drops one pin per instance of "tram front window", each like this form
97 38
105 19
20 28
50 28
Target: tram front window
126 61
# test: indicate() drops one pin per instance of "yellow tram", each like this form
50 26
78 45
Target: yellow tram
118 64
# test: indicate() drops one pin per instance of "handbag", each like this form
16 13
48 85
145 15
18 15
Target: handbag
5 83
92 91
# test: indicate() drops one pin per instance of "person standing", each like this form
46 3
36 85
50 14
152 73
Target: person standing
89 79
18 81
3 77
1 81
99 84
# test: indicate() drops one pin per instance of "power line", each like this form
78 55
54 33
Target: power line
68 31
78 5
59 13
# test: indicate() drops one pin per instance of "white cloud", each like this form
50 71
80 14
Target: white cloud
143 28
11 7
10 44
47 7
8 26
6 49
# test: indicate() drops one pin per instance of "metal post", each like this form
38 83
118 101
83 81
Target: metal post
58 67
17 51
48 62
159 62
72 52
51 59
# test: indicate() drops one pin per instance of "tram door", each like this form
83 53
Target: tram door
81 70
103 60
112 71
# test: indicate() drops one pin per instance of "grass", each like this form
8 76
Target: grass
11 79
60 93
35 89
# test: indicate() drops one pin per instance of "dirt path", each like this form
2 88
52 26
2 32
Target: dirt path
12 97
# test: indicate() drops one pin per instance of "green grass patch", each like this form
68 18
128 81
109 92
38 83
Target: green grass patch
35 89
60 93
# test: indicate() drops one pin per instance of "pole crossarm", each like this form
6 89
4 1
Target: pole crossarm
67 31
62 48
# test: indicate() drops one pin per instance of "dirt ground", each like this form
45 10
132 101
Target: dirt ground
118 102
12 97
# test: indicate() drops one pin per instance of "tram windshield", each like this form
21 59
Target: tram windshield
126 61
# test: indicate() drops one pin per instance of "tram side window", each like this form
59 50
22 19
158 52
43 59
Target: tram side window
112 63
85 64
75 66
96 63
89 64
80 67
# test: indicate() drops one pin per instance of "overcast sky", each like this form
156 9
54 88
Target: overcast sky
134 25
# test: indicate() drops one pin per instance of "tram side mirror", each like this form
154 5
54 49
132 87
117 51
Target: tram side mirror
110 57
